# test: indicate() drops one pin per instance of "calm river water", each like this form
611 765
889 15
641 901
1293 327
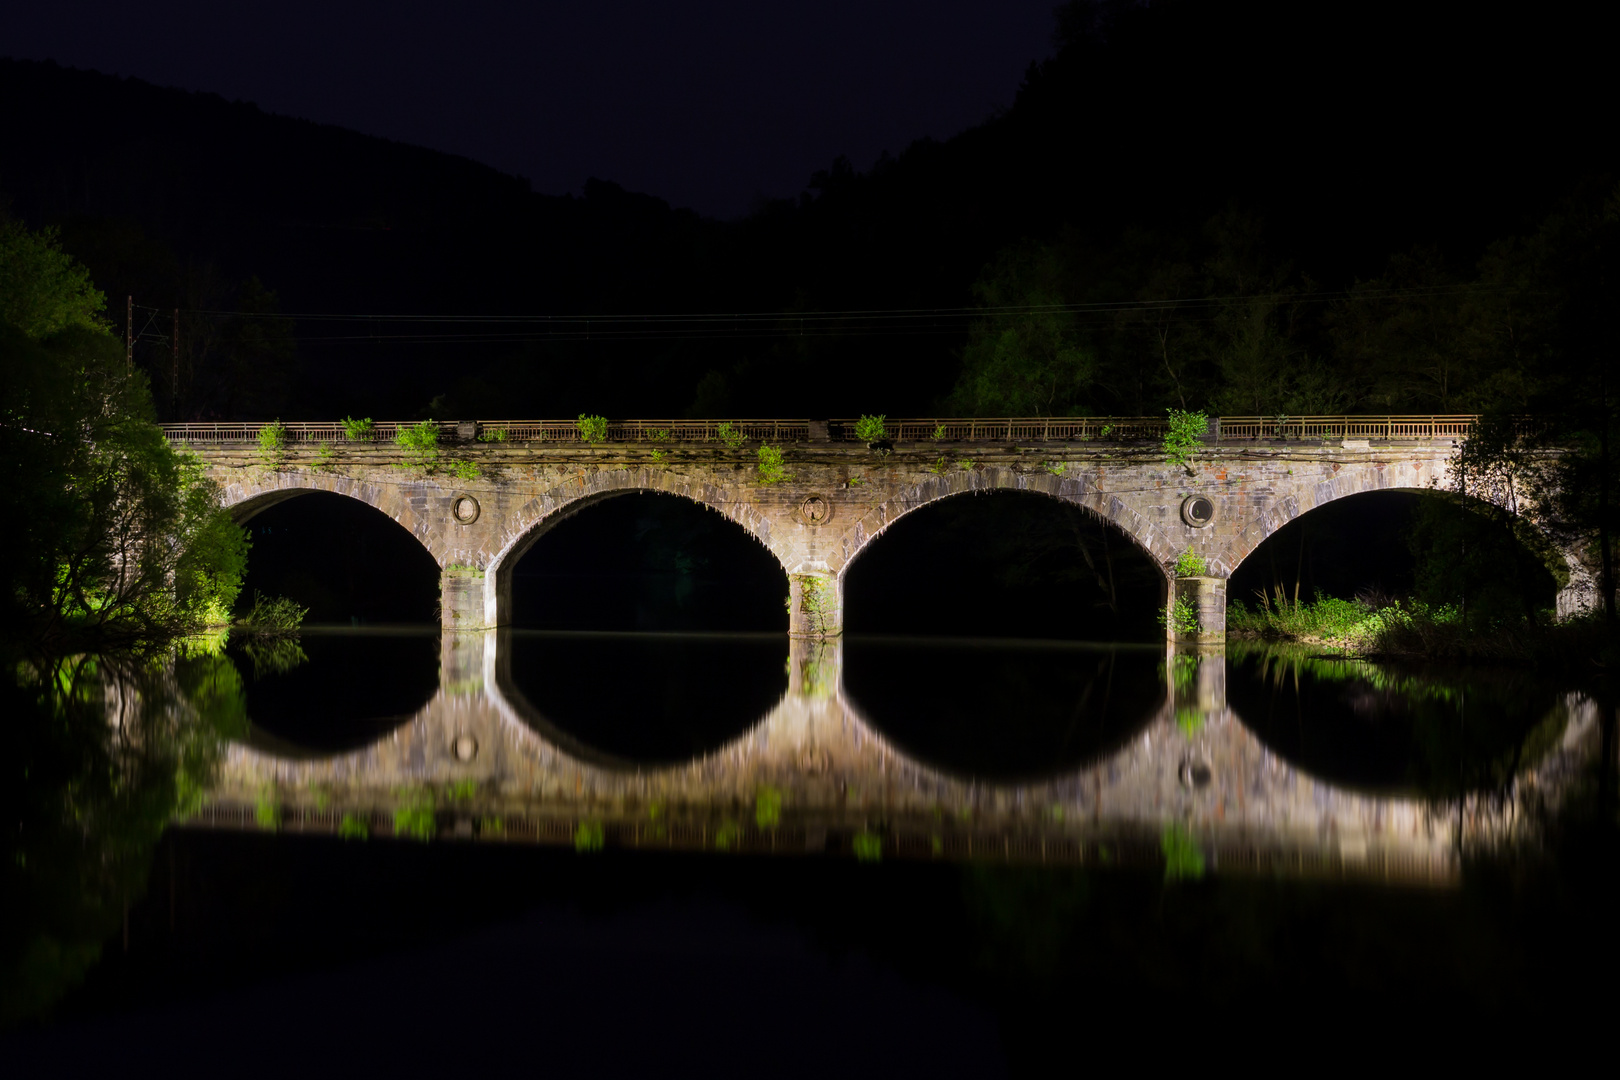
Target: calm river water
250 826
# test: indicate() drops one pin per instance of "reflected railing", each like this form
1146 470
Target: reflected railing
815 774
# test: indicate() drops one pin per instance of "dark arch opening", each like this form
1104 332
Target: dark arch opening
1379 546
647 561
348 563
331 692
1005 564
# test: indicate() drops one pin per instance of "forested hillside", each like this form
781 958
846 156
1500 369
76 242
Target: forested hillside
1243 206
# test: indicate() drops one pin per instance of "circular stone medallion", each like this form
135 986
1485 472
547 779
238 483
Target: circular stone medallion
1198 511
465 509
815 510
465 747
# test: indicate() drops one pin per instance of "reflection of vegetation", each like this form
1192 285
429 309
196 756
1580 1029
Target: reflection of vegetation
352 827
414 816
86 800
868 846
1182 859
273 656
272 616
768 807
589 836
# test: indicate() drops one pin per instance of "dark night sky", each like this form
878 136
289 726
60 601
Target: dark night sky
709 105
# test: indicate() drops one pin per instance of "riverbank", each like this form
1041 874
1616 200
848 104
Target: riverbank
1409 630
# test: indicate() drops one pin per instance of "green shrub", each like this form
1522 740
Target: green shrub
1181 618
353 828
658 435
324 456
868 846
592 429
771 469
273 442
359 430
1183 435
415 817
1191 564
1056 468
589 836
658 457
768 807
731 436
420 443
941 466
939 432
465 470
267 810
1182 859
870 429
497 434
728 836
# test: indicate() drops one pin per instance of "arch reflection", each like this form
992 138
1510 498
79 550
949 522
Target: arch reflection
628 700
330 693
1004 709
1385 730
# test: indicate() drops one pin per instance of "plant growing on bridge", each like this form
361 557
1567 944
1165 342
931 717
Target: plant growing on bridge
1182 859
771 467
353 828
1183 434
939 432
658 435
1181 618
815 601
273 442
658 457
414 817
768 807
465 470
870 429
728 836
592 429
589 836
966 464
325 456
868 846
731 436
1190 564
941 466
1056 468
494 434
491 826
358 430
420 443
267 809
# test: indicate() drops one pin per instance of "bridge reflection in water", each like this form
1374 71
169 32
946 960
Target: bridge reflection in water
501 758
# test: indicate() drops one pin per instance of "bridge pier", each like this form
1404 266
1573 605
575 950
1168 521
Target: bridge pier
461 598
815 605
1206 597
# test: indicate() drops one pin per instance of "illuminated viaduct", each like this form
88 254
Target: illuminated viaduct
488 490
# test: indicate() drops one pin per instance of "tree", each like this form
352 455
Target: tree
43 291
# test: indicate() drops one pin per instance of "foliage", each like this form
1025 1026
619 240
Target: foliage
771 468
491 826
727 836
272 616
868 846
939 432
941 465
494 434
658 435
768 807
414 816
870 429
420 442
589 836
464 470
732 437
1056 468
353 827
1181 618
1183 435
272 442
359 430
1191 564
325 455
1183 861
658 459
592 429
462 790
44 290
1026 356
965 464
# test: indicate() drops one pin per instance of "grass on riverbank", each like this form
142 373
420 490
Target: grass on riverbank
1414 630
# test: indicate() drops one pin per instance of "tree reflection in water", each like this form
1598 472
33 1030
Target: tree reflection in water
102 752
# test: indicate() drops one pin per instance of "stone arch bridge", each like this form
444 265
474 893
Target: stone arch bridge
485 491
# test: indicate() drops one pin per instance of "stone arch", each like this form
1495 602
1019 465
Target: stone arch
521 529
1109 509
1578 593
245 497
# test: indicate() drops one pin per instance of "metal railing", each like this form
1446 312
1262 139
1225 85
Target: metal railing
1106 429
